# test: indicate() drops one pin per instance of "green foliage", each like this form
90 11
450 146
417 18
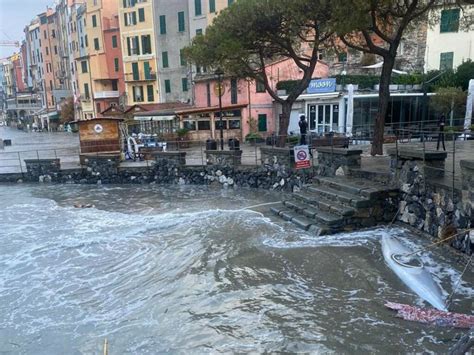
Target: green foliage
181 132
464 73
292 140
253 137
447 99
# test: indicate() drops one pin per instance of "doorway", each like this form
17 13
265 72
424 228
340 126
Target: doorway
323 118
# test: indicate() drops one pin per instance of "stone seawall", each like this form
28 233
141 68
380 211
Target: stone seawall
429 205
106 170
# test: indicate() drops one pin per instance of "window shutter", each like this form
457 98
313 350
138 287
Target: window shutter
129 49
124 3
125 19
141 15
134 18
137 44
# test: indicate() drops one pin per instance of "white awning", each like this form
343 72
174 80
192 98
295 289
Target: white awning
379 65
154 118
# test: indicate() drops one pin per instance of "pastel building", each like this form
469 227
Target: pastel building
450 42
137 29
247 107
171 36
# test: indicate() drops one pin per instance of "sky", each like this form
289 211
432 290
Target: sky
14 16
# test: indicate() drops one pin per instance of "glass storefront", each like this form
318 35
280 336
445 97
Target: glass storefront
323 118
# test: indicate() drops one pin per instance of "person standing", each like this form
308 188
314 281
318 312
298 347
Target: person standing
441 124
303 129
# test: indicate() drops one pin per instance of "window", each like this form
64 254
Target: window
208 94
114 42
96 44
115 85
181 25
138 93
141 15
233 91
184 84
197 8
135 73
212 6
449 20
56 50
94 21
182 59
167 86
218 124
189 125
147 70
164 56
150 93
53 33
260 86
47 51
234 124
342 57
204 125
129 3
146 44
230 2
130 18
262 122
199 32
84 66
87 41
446 61
116 64
162 25
86 91
45 35
133 46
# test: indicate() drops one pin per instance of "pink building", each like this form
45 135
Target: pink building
247 107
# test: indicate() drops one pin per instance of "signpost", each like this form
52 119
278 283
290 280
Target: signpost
302 158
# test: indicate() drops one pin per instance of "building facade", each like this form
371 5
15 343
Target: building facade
451 41
139 52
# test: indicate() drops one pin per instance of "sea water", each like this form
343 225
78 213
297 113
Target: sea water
183 269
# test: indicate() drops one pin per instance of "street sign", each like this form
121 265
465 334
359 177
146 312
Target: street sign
302 158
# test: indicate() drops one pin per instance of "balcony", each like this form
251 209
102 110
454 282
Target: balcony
140 77
106 95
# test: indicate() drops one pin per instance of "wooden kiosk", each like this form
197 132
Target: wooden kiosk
99 136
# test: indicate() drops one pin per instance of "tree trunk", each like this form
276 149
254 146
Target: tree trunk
284 123
384 98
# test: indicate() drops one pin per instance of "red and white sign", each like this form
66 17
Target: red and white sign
302 158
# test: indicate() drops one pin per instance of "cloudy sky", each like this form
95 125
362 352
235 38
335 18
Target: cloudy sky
14 16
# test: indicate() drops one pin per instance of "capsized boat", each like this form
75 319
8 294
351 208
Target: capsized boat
412 272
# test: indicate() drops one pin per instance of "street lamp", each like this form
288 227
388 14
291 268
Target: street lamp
219 74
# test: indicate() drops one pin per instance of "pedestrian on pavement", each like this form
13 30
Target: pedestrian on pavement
303 129
441 124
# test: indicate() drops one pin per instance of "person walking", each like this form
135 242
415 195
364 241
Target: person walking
441 124
303 129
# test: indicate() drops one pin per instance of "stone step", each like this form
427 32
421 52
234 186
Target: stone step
341 197
318 216
324 204
356 186
304 222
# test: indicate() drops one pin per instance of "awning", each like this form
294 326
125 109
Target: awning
154 118
379 65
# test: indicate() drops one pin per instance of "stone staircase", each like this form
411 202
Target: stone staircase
335 204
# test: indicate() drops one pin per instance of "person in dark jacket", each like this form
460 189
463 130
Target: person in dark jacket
441 124
303 129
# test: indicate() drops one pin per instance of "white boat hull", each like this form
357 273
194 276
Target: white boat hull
417 278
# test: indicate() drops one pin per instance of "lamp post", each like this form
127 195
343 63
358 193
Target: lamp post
219 74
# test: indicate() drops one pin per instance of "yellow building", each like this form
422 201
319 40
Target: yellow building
139 52
80 48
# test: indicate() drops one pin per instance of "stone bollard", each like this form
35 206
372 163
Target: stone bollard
409 162
337 161
224 157
175 158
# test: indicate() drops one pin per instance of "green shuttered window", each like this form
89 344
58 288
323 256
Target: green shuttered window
449 20
162 24
181 24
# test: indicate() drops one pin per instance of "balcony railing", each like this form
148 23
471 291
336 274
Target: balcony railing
106 94
14 106
140 76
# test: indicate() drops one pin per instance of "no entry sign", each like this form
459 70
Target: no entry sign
302 159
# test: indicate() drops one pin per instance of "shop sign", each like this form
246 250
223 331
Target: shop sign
318 86
302 158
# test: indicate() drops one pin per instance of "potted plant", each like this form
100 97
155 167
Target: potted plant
183 138
254 138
